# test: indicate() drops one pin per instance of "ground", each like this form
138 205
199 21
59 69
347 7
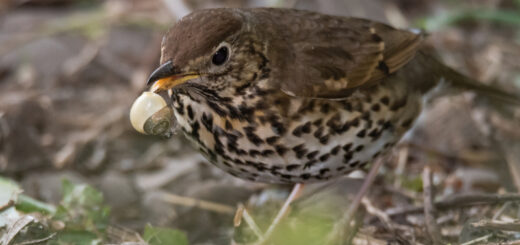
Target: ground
70 70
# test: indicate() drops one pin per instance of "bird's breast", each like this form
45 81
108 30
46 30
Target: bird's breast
288 140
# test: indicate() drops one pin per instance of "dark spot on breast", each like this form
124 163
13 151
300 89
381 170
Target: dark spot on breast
318 132
297 131
340 168
385 100
335 150
305 176
280 149
355 122
228 125
387 125
324 170
238 161
252 137
234 112
325 108
324 157
286 176
407 123
292 167
253 152
324 139
266 153
306 107
195 131
347 157
190 112
221 112
312 155
354 164
347 147
309 164
374 134
361 134
299 150
375 107
271 140
359 148
278 128
317 122
245 111
207 121
334 120
306 128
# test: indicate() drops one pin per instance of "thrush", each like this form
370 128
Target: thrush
292 96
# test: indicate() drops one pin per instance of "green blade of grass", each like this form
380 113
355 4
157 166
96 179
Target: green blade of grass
497 16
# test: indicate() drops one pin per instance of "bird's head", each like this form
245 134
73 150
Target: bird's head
217 49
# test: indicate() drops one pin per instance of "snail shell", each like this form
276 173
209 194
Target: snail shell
151 115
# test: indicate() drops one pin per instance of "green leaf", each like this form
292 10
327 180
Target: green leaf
497 16
82 208
163 236
29 205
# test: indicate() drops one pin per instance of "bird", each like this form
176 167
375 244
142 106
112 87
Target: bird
292 96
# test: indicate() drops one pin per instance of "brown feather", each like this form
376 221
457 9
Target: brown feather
328 56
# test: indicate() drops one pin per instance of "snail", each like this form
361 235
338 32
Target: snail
151 115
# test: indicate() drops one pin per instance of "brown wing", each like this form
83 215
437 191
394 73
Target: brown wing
327 56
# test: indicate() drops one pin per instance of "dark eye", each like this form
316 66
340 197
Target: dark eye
220 56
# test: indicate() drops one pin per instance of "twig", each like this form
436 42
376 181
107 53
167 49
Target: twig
429 208
480 239
283 211
192 202
497 225
517 242
14 228
460 200
363 239
513 160
382 216
501 210
346 219
402 160
41 240
242 212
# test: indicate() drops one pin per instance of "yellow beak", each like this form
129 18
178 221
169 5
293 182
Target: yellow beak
167 76
170 82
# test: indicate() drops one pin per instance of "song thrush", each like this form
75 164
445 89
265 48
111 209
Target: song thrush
291 96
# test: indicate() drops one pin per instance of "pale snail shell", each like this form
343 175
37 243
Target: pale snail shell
151 115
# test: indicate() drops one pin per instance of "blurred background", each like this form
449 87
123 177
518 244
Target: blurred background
70 70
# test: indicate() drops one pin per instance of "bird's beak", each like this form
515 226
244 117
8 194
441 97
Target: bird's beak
166 77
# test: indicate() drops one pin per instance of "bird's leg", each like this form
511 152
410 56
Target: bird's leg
281 213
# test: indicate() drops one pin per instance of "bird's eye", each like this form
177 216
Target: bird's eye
220 56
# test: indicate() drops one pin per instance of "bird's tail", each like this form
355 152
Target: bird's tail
457 82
